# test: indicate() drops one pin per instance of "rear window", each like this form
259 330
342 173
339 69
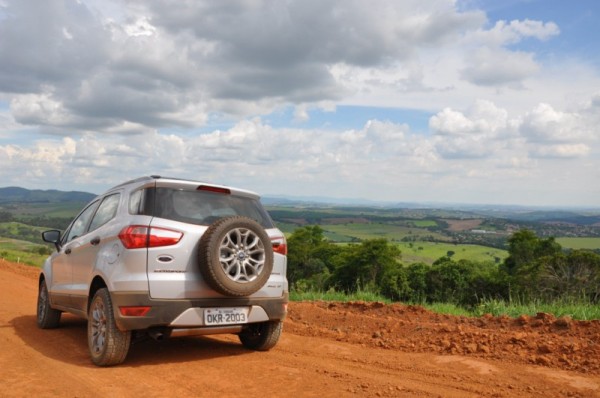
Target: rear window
201 207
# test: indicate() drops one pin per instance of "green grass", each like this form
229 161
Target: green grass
337 296
447 308
579 311
18 251
579 243
20 231
576 310
424 223
428 252
391 232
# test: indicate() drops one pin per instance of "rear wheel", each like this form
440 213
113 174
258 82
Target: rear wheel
47 317
261 336
108 345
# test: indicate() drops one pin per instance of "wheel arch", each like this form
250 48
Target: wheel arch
41 278
46 273
97 284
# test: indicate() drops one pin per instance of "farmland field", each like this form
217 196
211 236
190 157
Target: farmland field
17 230
425 223
579 243
354 231
67 209
424 246
428 252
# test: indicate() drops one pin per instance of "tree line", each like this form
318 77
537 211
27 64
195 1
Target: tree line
536 268
39 220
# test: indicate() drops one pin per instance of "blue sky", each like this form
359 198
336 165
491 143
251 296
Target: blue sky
472 101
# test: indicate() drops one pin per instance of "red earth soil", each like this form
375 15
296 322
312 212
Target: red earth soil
328 349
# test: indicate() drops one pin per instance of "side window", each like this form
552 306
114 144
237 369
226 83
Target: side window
142 202
106 211
80 224
135 202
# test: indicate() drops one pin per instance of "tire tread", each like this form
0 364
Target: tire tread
50 317
117 342
262 336
209 262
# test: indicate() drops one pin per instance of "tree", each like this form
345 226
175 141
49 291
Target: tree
5 216
309 255
448 281
523 264
366 265
575 275
417 282
521 248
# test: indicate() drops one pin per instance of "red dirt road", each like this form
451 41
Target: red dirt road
327 350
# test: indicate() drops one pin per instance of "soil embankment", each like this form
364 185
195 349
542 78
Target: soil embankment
327 350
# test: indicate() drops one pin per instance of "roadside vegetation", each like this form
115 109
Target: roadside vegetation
537 275
22 252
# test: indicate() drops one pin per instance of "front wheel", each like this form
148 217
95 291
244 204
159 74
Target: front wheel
108 345
261 336
47 317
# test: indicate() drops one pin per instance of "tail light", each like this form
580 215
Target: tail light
139 236
279 245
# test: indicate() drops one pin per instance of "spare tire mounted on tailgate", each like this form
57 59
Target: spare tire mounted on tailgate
235 256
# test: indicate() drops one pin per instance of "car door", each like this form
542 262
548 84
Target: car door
84 255
74 244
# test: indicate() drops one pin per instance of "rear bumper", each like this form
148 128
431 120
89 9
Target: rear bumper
189 313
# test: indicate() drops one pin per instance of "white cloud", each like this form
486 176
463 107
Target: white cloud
132 87
490 62
485 143
149 63
140 27
478 133
484 117
39 109
485 130
545 124
504 33
489 59
449 121
493 67
561 151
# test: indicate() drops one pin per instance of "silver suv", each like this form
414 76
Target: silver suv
165 257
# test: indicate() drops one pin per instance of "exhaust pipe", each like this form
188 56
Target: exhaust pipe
158 335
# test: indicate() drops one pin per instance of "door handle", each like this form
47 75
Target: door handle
95 241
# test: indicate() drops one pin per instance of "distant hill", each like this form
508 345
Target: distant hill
10 195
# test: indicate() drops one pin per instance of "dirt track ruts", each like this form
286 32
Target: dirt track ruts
327 350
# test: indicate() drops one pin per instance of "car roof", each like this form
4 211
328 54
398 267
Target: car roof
179 182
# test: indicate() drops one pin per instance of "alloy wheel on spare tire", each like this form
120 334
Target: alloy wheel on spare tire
235 256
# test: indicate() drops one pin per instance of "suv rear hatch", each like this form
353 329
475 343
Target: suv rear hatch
181 213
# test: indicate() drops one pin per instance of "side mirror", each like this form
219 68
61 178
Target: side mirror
52 236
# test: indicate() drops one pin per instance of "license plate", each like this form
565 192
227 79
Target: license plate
225 316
